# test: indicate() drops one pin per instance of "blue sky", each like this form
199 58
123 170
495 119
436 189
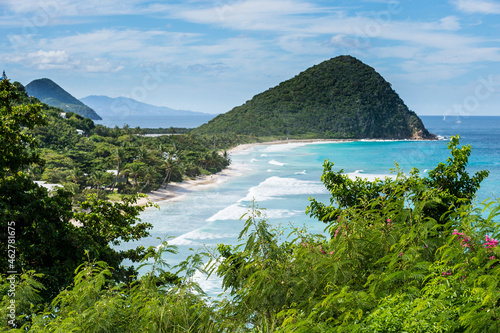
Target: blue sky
441 57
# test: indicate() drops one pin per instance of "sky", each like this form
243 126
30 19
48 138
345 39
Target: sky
442 56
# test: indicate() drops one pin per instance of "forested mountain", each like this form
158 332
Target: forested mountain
49 92
406 254
106 106
339 98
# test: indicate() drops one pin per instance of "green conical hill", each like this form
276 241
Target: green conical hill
49 92
339 98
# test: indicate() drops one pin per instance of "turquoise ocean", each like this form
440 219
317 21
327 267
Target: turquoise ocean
281 178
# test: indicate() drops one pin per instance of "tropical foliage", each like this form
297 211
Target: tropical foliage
339 98
40 230
104 161
402 254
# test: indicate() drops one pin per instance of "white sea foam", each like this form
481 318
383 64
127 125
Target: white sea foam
263 155
210 285
254 160
274 162
236 211
276 187
233 212
192 237
270 170
301 172
183 240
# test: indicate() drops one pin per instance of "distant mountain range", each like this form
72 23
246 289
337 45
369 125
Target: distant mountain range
338 98
49 92
123 106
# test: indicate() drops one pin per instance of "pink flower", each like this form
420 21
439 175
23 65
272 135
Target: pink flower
400 254
490 242
492 257
464 240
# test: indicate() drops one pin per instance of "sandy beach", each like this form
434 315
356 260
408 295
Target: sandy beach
176 191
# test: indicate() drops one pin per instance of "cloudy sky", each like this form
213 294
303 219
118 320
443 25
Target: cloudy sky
442 57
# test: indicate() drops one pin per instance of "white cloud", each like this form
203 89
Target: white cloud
58 59
55 8
478 6
250 14
128 44
62 60
450 23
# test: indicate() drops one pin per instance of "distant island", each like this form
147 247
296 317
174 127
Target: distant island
50 93
339 98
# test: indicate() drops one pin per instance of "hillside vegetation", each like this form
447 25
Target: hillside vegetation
339 98
411 253
49 92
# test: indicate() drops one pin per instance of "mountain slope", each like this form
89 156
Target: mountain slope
107 106
339 98
48 92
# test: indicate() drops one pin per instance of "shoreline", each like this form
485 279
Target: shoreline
177 190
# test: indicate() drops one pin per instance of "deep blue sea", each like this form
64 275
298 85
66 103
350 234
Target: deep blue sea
282 177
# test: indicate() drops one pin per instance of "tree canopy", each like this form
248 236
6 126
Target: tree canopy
338 98
411 253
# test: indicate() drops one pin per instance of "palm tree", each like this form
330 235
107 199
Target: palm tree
169 166
76 175
135 169
98 178
142 154
148 176
118 156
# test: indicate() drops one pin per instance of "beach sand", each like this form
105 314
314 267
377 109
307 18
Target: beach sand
176 191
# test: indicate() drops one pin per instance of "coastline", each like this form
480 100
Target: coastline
177 190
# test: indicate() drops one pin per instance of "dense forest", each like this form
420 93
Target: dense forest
403 254
339 98
110 161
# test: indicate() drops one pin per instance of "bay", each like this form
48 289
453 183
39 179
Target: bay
281 178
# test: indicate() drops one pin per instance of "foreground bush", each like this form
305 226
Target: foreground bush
403 254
